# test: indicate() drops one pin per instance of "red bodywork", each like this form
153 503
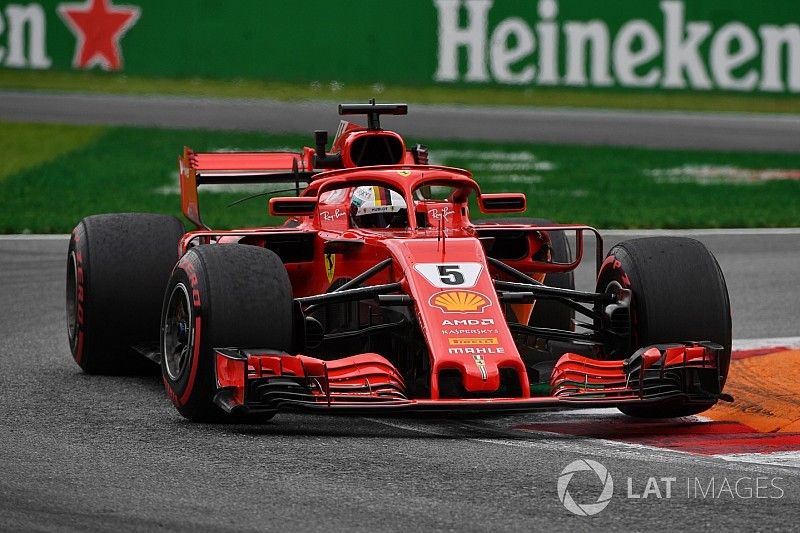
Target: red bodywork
464 326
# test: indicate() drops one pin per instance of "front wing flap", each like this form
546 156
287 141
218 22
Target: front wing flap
259 381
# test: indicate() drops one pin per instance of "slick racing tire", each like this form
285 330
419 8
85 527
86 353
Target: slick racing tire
117 268
220 296
679 294
549 313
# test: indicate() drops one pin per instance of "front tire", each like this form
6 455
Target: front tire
679 294
219 296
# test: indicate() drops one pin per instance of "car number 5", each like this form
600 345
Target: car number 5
451 275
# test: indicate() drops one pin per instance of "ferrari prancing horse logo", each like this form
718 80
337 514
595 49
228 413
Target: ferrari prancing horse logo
330 266
481 364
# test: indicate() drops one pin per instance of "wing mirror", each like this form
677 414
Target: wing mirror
292 206
507 202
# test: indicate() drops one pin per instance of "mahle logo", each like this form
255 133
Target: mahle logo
585 509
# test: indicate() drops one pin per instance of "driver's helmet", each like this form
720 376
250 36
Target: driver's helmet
378 207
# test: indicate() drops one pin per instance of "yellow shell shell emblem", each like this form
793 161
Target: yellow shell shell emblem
460 301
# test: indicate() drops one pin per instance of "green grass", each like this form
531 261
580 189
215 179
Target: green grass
19 143
68 172
545 97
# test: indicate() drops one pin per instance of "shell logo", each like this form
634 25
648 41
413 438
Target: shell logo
460 301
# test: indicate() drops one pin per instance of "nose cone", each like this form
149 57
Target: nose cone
480 375
470 347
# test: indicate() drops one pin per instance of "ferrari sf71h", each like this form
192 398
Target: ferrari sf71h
380 294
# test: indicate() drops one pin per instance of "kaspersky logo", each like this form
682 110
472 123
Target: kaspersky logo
97 25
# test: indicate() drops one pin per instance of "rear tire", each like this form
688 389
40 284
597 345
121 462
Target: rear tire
117 268
224 295
679 294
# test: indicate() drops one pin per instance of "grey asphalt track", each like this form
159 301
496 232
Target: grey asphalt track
756 132
84 452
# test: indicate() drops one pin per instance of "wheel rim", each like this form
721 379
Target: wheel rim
177 333
72 298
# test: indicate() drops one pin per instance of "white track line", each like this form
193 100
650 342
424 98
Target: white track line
33 237
587 446
607 232
785 459
755 344
700 232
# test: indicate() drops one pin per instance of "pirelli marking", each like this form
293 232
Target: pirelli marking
472 341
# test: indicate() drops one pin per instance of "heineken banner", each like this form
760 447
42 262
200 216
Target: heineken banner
667 45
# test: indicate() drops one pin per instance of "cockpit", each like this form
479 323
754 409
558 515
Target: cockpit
380 206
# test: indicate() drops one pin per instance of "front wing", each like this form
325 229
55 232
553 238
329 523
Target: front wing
261 381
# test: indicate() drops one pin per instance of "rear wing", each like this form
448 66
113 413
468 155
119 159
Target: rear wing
204 168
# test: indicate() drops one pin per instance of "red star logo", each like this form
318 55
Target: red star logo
98 27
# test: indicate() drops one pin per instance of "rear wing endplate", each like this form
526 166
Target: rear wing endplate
205 168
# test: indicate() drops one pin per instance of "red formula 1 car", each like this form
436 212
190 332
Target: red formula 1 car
380 295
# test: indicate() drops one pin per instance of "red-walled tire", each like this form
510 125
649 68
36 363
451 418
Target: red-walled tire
679 294
117 268
219 296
